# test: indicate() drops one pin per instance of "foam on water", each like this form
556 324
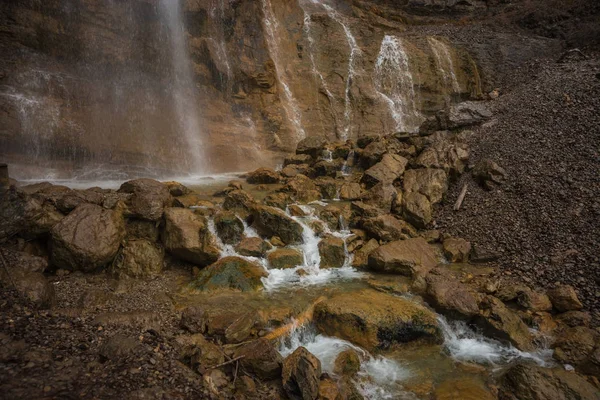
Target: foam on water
378 378
464 344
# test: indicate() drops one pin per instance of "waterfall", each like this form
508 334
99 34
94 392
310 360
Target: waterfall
348 163
354 52
394 82
290 104
217 13
445 65
184 86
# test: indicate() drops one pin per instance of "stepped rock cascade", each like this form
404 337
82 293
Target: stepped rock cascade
290 104
394 81
443 60
184 88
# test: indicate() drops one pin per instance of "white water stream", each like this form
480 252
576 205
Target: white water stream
394 82
445 65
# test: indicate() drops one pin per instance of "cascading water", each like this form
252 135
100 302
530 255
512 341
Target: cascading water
445 65
394 82
348 163
217 12
184 87
290 105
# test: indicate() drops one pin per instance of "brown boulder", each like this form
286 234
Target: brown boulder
409 257
383 196
186 236
312 145
278 199
347 363
533 300
260 358
238 200
499 322
269 221
88 238
138 259
387 228
457 250
430 182
416 209
450 297
487 173
33 286
229 227
361 256
390 168
148 198
285 258
574 345
300 375
372 319
297 159
230 273
564 298
351 191
253 247
263 176
529 382
332 252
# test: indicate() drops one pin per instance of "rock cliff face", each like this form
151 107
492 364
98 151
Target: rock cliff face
85 84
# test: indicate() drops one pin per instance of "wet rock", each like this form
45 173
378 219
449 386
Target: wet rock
372 319
300 375
230 273
457 250
187 237
148 198
222 321
574 318
296 211
351 191
285 258
360 209
481 255
463 389
467 113
329 187
533 300
390 168
289 171
253 247
188 200
279 200
450 297
498 321
328 389
297 159
332 252
239 200
229 227
361 256
388 228
177 189
138 259
574 345
141 229
73 198
33 286
432 183
269 221
88 238
260 359
373 153
405 257
564 298
416 209
263 176
119 348
487 173
382 196
312 145
591 365
529 382
347 363
327 168
23 215
431 236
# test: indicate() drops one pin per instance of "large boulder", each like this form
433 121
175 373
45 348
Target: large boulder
373 153
300 375
148 198
416 209
382 196
530 382
451 297
253 247
467 113
260 358
430 182
332 252
239 200
297 159
444 154
222 321
390 168
229 227
564 298
312 145
138 259
285 258
457 249
498 321
230 273
374 320
26 216
574 345
351 191
409 257
262 176
187 237
88 238
270 221
388 228
361 256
